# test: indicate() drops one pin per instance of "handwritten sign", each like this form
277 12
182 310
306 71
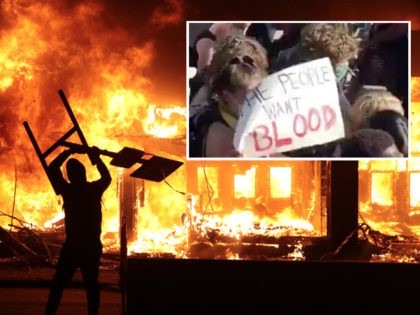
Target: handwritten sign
294 108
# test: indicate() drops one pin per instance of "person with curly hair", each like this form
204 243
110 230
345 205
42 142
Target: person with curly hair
206 42
202 51
336 41
237 66
339 43
380 109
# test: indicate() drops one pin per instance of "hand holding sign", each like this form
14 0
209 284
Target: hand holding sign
290 109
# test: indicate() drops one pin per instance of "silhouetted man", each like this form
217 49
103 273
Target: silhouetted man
82 206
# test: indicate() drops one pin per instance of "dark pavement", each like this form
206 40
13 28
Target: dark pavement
31 301
24 291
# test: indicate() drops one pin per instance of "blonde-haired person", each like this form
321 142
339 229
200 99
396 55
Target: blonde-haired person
203 49
339 43
207 41
238 66
378 108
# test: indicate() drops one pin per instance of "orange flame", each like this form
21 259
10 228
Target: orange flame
47 46
51 45
393 204
392 207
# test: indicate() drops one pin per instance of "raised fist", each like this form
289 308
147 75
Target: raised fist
94 154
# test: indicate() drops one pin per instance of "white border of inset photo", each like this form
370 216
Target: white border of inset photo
191 71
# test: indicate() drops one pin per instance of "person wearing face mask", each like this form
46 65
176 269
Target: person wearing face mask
237 67
336 41
339 43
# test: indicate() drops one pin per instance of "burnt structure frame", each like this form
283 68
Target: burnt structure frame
343 285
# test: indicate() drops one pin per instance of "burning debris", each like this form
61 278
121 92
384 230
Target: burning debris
29 245
378 247
243 235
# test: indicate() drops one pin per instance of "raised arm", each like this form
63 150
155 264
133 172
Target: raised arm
54 170
105 179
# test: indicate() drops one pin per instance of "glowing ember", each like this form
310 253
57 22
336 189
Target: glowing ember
240 223
50 223
161 241
297 253
241 226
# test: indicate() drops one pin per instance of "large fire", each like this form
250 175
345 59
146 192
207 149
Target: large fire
45 48
389 199
229 212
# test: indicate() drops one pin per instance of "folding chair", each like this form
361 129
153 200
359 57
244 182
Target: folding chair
154 168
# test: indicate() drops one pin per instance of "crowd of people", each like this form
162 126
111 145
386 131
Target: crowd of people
370 62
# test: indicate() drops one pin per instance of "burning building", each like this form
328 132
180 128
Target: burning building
213 232
101 69
249 244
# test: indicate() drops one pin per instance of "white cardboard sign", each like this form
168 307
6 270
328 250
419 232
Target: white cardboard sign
294 108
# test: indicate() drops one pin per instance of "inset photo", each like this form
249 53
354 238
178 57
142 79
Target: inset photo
307 89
